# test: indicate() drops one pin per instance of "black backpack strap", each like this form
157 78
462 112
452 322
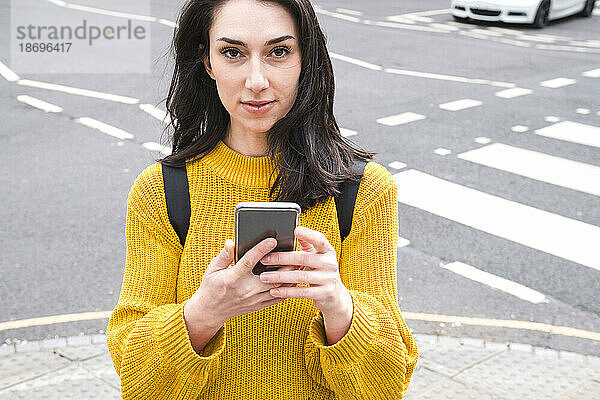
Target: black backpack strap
346 200
177 195
178 200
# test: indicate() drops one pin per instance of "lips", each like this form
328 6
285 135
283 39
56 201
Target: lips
257 103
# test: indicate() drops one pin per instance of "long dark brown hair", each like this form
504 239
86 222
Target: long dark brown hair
315 158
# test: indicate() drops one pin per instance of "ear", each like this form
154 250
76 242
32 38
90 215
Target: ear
206 61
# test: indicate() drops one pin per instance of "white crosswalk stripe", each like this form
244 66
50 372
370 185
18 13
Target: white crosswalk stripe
554 234
573 132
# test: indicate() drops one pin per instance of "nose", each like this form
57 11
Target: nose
257 79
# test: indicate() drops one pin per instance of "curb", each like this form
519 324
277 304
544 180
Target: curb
26 346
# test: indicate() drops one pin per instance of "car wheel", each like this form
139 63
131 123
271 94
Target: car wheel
589 7
542 14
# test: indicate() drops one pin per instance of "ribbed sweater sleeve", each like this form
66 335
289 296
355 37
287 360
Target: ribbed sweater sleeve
377 356
147 336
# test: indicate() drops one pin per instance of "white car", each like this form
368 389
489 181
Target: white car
535 12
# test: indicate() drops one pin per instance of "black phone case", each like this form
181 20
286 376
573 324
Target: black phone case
257 221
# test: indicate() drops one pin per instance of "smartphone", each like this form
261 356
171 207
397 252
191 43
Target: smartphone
256 221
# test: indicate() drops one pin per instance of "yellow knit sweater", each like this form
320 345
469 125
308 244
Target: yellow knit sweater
278 352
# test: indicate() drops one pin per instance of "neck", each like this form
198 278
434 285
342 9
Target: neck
250 144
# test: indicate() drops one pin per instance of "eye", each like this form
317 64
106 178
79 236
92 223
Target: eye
281 51
229 50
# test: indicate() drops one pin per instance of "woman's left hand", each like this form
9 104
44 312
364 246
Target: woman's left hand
318 267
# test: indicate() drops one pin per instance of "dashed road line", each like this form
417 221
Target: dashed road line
451 78
551 118
400 119
519 128
462 104
77 91
514 92
7 73
583 111
356 61
105 128
153 146
397 165
496 282
594 73
558 83
554 234
573 132
155 112
347 132
442 151
40 104
348 11
566 48
539 166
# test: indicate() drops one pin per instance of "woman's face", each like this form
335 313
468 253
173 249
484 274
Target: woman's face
254 57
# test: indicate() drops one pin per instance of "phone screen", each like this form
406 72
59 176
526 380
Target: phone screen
255 226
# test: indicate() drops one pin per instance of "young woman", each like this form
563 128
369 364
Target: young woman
252 99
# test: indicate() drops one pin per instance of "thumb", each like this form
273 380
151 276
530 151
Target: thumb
225 257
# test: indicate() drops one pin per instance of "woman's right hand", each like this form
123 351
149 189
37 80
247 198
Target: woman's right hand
227 291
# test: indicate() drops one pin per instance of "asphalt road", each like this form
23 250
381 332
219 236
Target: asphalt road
533 223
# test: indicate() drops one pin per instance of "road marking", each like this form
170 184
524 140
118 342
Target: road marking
558 83
504 323
77 91
167 22
460 104
405 26
397 165
500 323
442 151
402 242
400 19
513 42
153 146
400 119
444 26
105 128
519 128
554 234
336 15
429 12
7 73
111 13
514 92
573 132
347 11
566 48
504 30
486 32
482 140
535 38
451 78
355 61
551 118
539 166
585 44
583 111
54 319
594 73
347 132
496 282
155 112
474 35
37 103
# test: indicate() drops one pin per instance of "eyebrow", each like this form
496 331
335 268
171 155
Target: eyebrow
267 43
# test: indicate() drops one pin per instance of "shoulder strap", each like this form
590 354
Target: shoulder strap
346 200
177 196
178 200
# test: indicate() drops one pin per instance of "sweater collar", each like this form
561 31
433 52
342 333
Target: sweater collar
239 168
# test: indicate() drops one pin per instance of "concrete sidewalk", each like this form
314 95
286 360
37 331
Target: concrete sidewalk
80 367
